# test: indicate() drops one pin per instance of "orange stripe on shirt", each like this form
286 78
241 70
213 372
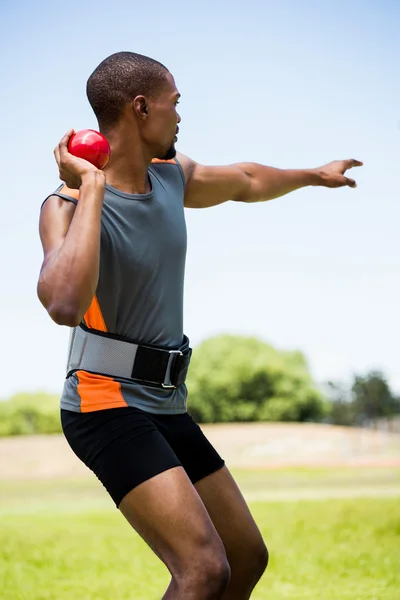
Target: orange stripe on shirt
98 392
158 160
94 317
69 192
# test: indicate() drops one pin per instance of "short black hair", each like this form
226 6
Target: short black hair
118 79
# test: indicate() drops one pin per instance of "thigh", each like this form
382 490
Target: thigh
122 446
194 451
169 515
231 517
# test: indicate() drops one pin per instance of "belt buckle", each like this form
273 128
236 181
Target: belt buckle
167 385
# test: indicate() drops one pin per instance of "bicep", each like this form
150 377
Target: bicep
55 218
209 186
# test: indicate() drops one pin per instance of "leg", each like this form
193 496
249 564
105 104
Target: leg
143 475
244 546
169 515
245 549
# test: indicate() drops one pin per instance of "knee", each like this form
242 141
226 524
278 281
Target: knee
262 558
259 557
250 566
217 576
207 576
214 575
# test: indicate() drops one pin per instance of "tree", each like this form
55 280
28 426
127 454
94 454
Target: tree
234 378
368 398
342 409
373 398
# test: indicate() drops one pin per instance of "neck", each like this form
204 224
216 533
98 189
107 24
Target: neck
128 167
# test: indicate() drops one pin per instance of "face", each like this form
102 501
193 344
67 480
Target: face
160 127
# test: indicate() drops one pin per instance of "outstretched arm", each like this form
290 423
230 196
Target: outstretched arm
251 182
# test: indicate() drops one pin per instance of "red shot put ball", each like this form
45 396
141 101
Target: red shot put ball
91 146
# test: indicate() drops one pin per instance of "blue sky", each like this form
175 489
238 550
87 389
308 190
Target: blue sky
288 84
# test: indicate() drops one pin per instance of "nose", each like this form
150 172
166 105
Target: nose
179 117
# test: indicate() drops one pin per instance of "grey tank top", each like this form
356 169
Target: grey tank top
140 289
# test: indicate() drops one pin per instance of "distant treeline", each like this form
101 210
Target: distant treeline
234 379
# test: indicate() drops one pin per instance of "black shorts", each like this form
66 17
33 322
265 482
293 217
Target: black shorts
126 446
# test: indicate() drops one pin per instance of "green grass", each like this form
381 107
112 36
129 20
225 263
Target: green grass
64 540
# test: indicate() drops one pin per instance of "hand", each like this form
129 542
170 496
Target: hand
332 175
71 168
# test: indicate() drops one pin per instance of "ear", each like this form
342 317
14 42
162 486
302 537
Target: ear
141 107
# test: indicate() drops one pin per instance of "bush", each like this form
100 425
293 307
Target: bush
27 414
234 378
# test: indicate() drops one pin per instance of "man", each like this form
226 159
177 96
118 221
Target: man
114 255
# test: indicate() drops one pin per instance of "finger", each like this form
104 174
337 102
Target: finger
63 145
350 182
352 162
57 154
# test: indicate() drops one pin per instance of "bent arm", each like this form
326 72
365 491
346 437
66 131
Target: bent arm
71 244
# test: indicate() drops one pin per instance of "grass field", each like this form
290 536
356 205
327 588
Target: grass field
62 539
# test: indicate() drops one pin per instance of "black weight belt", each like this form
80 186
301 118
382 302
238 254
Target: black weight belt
114 356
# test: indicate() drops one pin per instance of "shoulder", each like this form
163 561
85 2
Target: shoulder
169 170
64 193
188 166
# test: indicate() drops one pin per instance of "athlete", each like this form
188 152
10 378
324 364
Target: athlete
114 246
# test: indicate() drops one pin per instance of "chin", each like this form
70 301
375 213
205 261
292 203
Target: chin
171 153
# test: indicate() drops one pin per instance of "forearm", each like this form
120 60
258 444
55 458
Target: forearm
267 183
69 278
